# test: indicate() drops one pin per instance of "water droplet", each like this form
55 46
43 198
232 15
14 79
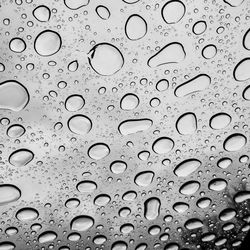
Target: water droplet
134 126
13 95
246 93
180 207
74 237
204 202
227 214
173 11
199 27
105 59
171 53
246 40
79 124
163 145
242 196
76 4
130 1
129 102
17 45
192 224
217 184
21 157
6 245
72 203
186 124
11 231
135 27
82 223
103 12
99 239
207 237
42 13
124 212
127 228
196 84
144 178
118 167
209 51
86 186
119 245
162 85
129 196
224 163
152 208
47 236
220 121
187 167
74 103
98 151
154 230
234 3
234 142
172 246
143 155
189 188
27 214
15 131
102 200
73 66
241 71
47 43
9 193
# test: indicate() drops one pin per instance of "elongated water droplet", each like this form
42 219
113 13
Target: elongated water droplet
242 196
82 223
192 224
217 184
7 245
76 4
227 214
189 188
103 12
27 214
129 102
9 193
47 236
21 157
118 167
180 207
187 167
134 126
152 208
235 142
86 186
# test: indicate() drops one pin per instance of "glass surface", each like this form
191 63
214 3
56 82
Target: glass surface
124 124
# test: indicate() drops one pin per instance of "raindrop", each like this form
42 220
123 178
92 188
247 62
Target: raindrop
21 157
72 203
74 103
82 223
17 45
99 239
143 155
186 124
118 167
171 53
242 196
227 214
192 224
105 59
162 85
102 200
47 236
199 27
127 228
234 142
144 179
9 193
27 214
220 121
224 163
13 96
163 145
129 102
134 126
103 12
180 207
207 237
196 84
6 245
73 66
173 11
187 167
217 184
47 43
15 131
209 51
76 4
234 3
98 151
246 93
241 72
130 1
246 40
189 188
11 231
42 13
119 245
135 27
129 196
74 237
172 246
79 124
152 208
86 186
204 202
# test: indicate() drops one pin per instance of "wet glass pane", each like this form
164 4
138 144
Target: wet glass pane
124 124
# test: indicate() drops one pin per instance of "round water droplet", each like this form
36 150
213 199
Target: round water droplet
9 193
241 71
126 228
79 124
204 202
224 163
144 155
209 51
199 27
42 13
105 59
17 45
11 231
173 11
74 103
82 223
134 126
207 237
246 93
119 245
86 186
163 145
154 230
217 184
186 124
98 151
144 179
129 196
187 167
235 142
27 214
73 66
172 246
6 245
129 102
192 224
152 208
13 95
99 239
103 12
15 131
118 167
102 200
227 214
47 236
180 207
242 196
74 237
47 43
234 3
246 40
220 121
189 188
21 157
124 212
135 27
162 85
72 203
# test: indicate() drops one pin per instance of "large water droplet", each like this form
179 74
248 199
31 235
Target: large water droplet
98 151
152 208
246 40
17 45
196 84
235 142
220 121
103 12
199 27
119 245
86 186
118 167
227 214
180 207
13 95
189 188
76 4
129 196
217 184
47 237
246 93
73 66
74 103
99 239
171 53
209 51
21 157
15 131
242 196
144 179
102 200
234 3
105 59
27 214
42 13
82 223
135 27
9 193
80 124
163 145
172 246
186 124
47 43
6 245
129 102
192 224
241 71
187 167
204 202
173 11
134 126
224 163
